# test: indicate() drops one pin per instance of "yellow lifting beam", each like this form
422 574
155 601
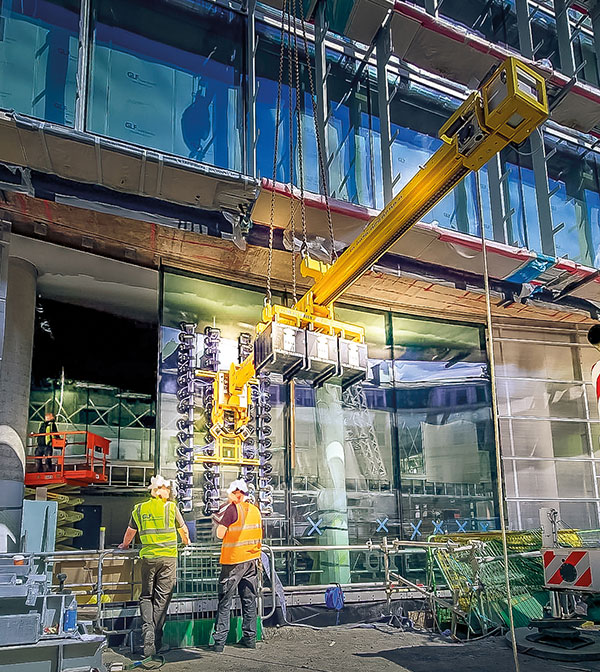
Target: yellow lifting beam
507 109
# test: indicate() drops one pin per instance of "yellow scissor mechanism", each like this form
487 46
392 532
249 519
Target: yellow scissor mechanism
507 108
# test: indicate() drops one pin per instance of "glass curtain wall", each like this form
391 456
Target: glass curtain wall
522 226
363 463
584 48
38 58
446 444
549 423
353 132
267 73
126 418
574 180
169 76
417 112
495 20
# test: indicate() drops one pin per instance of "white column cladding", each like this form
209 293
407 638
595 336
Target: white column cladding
15 384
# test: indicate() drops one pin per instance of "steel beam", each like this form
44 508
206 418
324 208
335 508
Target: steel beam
83 65
251 89
563 31
542 193
498 203
321 86
383 46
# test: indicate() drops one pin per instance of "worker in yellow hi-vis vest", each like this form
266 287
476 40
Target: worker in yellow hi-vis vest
157 520
239 525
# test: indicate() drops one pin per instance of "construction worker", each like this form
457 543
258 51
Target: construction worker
157 521
239 525
44 442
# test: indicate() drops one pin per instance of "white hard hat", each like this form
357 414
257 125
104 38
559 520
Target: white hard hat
240 485
159 482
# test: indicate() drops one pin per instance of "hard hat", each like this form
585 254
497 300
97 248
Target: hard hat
240 484
159 482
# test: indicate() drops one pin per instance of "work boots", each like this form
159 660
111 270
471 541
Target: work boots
148 641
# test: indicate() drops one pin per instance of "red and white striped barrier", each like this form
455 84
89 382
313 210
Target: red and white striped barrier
571 568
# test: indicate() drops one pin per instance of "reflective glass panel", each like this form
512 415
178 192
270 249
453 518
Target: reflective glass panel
444 425
417 113
267 73
353 132
38 58
169 76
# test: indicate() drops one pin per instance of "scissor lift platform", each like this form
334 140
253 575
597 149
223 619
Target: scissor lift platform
72 466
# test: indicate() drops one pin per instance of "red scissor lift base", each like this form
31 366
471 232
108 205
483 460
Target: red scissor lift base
80 470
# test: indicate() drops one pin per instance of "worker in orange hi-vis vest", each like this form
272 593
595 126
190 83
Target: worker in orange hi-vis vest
239 525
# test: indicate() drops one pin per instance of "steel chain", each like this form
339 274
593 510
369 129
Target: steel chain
322 165
275 152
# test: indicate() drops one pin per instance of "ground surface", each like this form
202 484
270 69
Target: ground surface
352 649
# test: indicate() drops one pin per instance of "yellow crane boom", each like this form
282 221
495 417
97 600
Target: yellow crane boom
506 109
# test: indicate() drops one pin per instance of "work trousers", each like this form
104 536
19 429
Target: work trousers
40 451
158 582
243 579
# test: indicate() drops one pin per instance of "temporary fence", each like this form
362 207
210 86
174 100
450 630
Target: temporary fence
476 576
107 583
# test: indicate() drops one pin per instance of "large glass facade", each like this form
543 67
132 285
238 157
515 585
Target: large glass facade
549 424
38 58
353 132
417 113
522 225
267 73
357 464
173 77
169 77
574 180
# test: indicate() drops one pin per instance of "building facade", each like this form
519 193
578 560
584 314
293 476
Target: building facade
138 187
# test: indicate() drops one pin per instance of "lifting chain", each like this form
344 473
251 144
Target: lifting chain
322 163
304 248
291 21
275 152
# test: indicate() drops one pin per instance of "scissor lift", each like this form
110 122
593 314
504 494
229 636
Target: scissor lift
71 465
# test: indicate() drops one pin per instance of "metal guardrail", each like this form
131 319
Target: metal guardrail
198 568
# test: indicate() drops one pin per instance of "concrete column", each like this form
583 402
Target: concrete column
332 502
15 383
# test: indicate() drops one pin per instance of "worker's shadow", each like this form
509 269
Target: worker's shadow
463 658
183 655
